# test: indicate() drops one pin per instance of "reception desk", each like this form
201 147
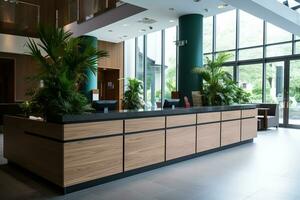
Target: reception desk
79 151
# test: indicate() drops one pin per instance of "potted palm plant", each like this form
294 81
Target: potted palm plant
63 64
133 95
219 87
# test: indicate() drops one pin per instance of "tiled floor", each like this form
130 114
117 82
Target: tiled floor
268 169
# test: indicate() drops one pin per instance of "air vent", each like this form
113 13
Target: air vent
147 20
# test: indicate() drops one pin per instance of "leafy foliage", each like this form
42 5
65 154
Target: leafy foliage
218 86
62 70
133 94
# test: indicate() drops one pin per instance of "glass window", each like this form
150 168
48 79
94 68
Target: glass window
207 34
276 34
129 58
250 78
275 85
232 55
170 61
279 50
153 69
225 33
205 58
228 69
248 54
294 93
140 58
297 48
250 36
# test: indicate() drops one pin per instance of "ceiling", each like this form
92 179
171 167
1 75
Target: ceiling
164 12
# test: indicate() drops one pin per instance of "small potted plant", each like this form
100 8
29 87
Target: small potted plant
133 96
218 87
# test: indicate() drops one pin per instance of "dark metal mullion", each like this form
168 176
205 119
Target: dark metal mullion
177 56
293 44
163 66
145 68
237 44
136 57
264 75
214 38
286 95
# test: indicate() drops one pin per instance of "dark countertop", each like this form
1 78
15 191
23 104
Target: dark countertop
131 114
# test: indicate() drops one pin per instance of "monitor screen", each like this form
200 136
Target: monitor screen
100 106
169 102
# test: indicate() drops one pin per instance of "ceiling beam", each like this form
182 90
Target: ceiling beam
271 11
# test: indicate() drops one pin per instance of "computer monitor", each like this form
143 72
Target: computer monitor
171 102
105 105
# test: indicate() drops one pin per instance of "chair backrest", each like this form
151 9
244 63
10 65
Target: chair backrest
274 109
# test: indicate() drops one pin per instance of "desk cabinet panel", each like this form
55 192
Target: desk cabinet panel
144 149
92 159
230 132
249 128
180 142
208 136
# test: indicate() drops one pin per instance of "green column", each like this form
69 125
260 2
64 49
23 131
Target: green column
92 79
190 54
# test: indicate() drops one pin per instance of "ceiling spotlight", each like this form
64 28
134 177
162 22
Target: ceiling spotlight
196 1
221 6
206 10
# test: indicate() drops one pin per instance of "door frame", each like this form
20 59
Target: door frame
14 75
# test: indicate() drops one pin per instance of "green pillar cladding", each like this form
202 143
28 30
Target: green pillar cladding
190 54
92 79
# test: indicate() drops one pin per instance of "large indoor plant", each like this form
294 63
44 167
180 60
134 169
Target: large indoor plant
218 85
133 96
63 62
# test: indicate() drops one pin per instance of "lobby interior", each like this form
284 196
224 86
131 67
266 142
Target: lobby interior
167 145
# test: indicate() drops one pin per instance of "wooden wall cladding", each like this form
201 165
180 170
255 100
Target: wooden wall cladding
181 120
92 159
180 142
249 113
249 128
208 136
93 129
208 117
116 54
230 132
229 115
24 18
114 61
25 66
144 124
144 149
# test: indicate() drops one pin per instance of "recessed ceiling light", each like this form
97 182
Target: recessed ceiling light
125 36
171 21
171 9
110 30
142 30
125 25
221 6
206 10
196 0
